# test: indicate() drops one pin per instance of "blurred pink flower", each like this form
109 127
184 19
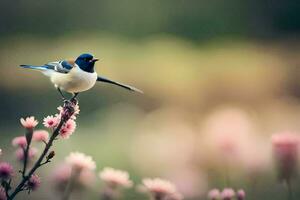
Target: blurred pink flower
86 178
227 194
190 181
159 188
31 153
34 182
285 148
2 194
67 130
19 142
80 161
214 194
6 170
40 136
241 195
29 122
115 177
62 174
51 122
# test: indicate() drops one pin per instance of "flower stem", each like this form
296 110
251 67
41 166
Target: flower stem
227 177
26 150
74 176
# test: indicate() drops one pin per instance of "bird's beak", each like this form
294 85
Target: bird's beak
95 59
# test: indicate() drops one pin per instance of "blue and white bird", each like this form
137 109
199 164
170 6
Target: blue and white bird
75 76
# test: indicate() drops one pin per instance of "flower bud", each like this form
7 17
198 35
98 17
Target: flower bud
51 155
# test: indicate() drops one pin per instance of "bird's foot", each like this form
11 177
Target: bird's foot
74 100
67 101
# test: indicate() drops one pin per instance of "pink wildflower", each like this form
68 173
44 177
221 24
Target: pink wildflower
68 129
2 194
115 177
214 194
6 170
34 182
51 122
40 136
227 194
159 188
76 111
31 153
19 142
241 195
29 122
62 174
81 161
86 178
285 148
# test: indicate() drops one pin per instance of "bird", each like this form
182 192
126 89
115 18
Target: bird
75 75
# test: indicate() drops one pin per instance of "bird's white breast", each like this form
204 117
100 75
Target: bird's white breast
76 80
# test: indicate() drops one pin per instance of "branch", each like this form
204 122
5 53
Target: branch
68 112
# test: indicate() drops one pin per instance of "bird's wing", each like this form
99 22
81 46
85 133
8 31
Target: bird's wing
64 66
128 87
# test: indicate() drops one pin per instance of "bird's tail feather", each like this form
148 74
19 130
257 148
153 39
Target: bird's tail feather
128 87
34 67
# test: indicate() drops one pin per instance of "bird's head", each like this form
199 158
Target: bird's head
86 62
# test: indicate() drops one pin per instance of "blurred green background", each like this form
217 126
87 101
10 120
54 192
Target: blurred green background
211 71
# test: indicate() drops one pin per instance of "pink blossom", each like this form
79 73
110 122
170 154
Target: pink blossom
51 122
81 161
86 178
40 136
76 111
241 195
2 194
29 122
19 142
34 182
68 129
214 194
62 174
227 194
159 188
31 153
6 170
285 148
115 177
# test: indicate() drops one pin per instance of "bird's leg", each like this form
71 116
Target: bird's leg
60 92
73 99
